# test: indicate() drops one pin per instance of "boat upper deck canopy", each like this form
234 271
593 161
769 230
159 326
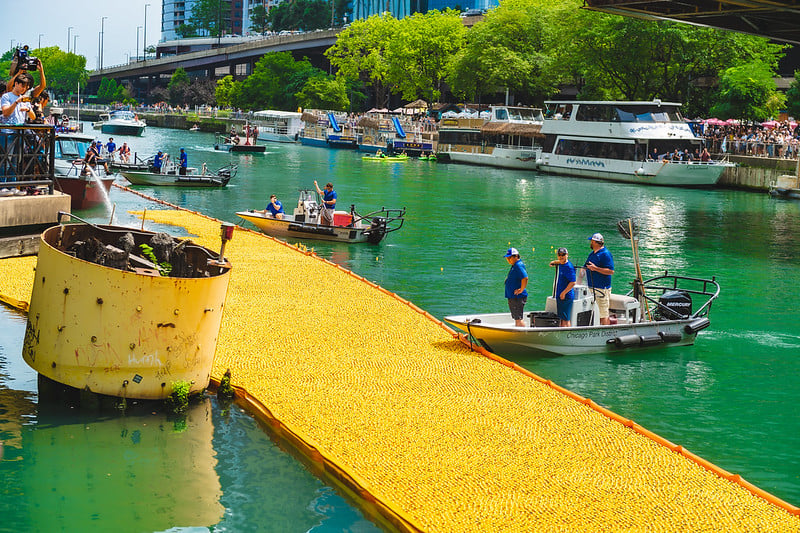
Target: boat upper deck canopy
614 111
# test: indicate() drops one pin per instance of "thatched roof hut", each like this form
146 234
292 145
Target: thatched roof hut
519 130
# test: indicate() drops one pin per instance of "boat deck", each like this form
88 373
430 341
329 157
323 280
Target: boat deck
432 435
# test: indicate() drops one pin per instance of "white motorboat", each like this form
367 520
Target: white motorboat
615 140
508 139
348 227
169 175
279 126
667 319
120 122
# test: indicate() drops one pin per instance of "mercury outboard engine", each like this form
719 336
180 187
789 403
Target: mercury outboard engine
377 230
675 305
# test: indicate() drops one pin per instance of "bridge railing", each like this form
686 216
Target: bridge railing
27 158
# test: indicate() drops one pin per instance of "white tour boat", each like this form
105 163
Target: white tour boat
616 140
279 126
508 139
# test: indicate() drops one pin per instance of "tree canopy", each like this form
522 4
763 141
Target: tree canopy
300 15
209 17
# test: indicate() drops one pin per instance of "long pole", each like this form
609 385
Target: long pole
40 39
102 40
137 42
69 30
74 44
144 36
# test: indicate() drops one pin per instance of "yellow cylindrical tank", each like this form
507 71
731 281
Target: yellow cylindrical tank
117 332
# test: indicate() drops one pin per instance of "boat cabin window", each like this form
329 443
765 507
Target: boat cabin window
605 150
501 113
558 111
472 137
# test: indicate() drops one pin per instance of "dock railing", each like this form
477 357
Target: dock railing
27 157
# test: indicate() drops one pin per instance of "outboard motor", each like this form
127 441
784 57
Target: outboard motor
675 305
376 230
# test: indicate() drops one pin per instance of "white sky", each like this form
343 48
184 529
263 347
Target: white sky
23 23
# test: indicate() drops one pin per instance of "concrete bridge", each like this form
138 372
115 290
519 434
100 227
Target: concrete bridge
237 60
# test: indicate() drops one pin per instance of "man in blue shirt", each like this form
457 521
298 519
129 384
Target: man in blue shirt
565 296
111 148
275 207
328 203
516 282
158 160
184 163
599 269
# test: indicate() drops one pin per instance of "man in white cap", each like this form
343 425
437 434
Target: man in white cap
599 269
516 281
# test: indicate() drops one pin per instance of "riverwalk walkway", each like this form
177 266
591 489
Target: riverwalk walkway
433 436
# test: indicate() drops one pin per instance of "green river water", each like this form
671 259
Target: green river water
731 398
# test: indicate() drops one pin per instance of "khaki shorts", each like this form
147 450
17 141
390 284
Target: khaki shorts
603 298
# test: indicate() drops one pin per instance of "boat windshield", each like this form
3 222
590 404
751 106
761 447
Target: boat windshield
518 113
71 148
629 113
123 115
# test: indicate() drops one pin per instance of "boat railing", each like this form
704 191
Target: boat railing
671 282
392 219
518 146
27 157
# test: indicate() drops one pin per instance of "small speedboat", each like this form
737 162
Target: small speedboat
170 175
349 227
120 122
237 144
665 319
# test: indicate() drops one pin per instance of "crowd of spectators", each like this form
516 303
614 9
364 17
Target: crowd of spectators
771 139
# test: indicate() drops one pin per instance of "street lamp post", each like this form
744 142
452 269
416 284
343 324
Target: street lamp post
102 39
144 34
68 40
137 42
40 40
74 44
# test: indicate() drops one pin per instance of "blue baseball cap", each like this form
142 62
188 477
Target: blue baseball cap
512 252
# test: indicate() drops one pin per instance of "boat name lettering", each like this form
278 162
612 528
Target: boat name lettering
590 334
659 127
585 162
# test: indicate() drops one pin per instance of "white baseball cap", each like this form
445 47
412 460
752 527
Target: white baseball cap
511 251
597 237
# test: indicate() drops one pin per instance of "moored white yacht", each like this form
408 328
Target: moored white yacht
624 141
508 139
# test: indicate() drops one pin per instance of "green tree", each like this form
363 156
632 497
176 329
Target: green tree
793 96
360 53
109 91
748 92
259 19
275 80
224 90
419 55
625 58
509 49
300 15
63 71
178 86
324 92
210 16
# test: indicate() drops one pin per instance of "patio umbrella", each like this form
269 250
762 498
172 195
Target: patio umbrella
715 122
770 124
417 104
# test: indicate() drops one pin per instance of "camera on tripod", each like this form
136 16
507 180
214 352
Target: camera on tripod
25 61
